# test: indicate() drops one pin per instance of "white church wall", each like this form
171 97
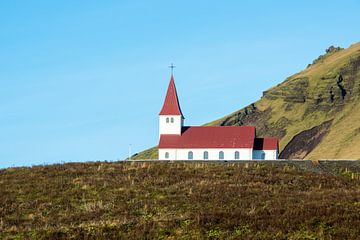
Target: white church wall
172 154
170 127
198 153
265 154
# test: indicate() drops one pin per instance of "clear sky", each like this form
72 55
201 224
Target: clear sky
81 80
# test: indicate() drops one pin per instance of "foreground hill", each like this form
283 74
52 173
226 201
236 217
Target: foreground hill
157 200
315 113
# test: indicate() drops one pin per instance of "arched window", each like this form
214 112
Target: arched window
263 156
237 155
167 120
166 155
221 155
206 155
172 120
190 155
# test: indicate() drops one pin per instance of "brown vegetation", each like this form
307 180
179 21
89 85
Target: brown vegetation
279 200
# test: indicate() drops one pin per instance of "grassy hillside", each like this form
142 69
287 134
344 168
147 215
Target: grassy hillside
315 113
268 200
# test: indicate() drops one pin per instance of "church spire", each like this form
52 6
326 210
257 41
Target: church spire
171 104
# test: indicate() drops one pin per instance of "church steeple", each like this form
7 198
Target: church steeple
171 104
171 119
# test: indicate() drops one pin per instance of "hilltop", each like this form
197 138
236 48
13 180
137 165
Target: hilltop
315 113
187 200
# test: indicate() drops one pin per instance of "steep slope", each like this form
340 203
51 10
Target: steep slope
315 113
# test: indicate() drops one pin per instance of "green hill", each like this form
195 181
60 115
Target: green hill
315 113
181 200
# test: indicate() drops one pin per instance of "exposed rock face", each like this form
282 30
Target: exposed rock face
292 92
251 116
339 83
306 141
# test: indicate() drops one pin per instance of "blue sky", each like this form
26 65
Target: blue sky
81 80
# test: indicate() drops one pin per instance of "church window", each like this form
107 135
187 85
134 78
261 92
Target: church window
190 155
206 155
167 120
237 155
221 155
166 155
172 120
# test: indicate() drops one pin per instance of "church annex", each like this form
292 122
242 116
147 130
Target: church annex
179 142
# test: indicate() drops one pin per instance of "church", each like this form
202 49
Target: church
179 142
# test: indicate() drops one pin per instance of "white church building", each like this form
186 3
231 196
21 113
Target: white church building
179 142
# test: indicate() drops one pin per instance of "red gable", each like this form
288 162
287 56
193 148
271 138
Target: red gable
171 104
266 143
210 137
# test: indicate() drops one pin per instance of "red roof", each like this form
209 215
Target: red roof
269 143
210 137
171 104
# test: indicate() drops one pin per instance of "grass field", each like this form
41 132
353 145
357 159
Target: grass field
164 200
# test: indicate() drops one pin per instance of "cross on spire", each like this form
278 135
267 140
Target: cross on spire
172 68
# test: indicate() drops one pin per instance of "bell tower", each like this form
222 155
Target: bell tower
171 119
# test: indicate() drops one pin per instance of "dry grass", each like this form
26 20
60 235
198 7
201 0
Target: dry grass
181 200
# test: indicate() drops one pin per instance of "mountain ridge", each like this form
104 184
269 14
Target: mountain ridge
317 105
